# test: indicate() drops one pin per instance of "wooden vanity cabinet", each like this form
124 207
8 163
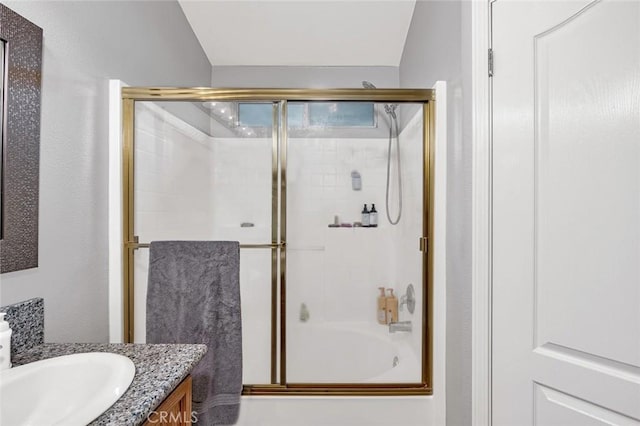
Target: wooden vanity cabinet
175 410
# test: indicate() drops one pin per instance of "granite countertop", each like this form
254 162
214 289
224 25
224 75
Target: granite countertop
159 369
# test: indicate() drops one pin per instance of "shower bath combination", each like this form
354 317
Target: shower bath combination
304 331
390 110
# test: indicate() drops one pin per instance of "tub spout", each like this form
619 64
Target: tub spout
404 326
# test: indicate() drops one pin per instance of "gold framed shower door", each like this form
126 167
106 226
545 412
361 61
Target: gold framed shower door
279 99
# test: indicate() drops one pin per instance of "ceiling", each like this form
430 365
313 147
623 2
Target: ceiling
301 32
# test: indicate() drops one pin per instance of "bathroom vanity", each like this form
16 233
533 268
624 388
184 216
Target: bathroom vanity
161 387
160 392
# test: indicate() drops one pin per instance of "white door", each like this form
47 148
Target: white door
566 213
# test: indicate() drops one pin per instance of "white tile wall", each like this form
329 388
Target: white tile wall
242 189
329 269
173 179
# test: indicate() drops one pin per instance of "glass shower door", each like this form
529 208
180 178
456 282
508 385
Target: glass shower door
338 156
203 171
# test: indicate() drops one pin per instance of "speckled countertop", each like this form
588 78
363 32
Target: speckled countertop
159 369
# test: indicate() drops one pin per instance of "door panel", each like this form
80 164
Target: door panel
195 179
566 212
333 273
592 378
558 408
587 182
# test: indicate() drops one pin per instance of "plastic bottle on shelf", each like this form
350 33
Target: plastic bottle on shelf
365 217
373 216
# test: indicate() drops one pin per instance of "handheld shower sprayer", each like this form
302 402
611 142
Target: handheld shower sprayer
390 109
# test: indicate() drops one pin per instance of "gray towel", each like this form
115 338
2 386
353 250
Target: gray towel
193 296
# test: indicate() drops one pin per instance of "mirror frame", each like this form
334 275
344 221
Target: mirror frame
20 141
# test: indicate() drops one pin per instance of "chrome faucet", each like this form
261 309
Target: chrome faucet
404 326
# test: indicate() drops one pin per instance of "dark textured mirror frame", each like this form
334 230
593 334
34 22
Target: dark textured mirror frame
20 141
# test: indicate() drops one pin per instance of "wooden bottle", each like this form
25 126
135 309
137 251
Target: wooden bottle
392 307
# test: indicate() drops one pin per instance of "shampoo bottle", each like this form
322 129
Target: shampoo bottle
382 307
373 216
392 307
5 343
365 216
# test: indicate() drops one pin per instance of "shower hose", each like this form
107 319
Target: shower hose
394 121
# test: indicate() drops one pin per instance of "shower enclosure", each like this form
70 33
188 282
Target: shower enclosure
286 172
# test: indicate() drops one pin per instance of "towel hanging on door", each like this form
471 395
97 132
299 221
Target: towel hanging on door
193 296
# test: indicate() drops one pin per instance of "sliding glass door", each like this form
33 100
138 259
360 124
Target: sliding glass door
343 159
328 193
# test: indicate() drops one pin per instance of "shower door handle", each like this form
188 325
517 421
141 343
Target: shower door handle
270 245
424 244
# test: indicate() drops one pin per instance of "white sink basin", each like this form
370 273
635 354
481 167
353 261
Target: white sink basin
67 390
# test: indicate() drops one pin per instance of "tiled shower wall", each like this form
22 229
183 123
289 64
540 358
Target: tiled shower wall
335 271
192 186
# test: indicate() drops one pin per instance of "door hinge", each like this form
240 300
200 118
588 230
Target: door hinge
490 62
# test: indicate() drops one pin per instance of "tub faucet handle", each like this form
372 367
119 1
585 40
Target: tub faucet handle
409 299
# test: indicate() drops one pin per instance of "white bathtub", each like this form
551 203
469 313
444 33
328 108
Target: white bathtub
344 353
349 353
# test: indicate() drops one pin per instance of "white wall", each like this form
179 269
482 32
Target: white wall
85 43
438 48
303 77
